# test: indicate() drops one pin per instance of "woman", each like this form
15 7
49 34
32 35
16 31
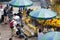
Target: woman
40 34
5 14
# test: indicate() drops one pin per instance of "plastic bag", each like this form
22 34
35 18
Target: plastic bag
15 30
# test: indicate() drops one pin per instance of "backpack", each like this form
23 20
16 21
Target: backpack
11 23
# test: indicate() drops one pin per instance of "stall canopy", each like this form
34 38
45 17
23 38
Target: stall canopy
43 14
51 36
20 3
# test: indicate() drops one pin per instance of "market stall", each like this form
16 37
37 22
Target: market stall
54 22
32 28
41 15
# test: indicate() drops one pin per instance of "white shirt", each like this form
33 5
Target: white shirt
14 23
1 12
17 18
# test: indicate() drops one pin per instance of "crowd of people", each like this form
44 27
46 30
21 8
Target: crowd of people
8 13
14 19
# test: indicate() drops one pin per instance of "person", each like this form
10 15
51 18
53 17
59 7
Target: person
13 24
50 29
2 16
19 30
17 18
10 13
19 13
45 30
40 34
7 7
19 27
28 11
5 16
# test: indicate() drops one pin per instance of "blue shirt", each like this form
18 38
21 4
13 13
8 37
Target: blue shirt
40 35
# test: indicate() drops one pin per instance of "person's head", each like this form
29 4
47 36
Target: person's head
7 6
11 9
30 9
15 14
40 30
17 25
19 10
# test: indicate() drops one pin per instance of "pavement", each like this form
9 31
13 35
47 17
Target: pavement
6 33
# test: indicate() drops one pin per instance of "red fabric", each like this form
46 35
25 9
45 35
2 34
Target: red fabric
11 23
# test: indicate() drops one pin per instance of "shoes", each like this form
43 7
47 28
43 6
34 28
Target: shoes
10 38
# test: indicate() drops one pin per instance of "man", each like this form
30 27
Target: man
15 16
13 24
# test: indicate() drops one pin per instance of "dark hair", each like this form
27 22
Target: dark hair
15 14
7 6
40 30
11 9
19 10
18 25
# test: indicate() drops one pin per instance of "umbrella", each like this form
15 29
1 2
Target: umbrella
51 36
43 14
20 3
